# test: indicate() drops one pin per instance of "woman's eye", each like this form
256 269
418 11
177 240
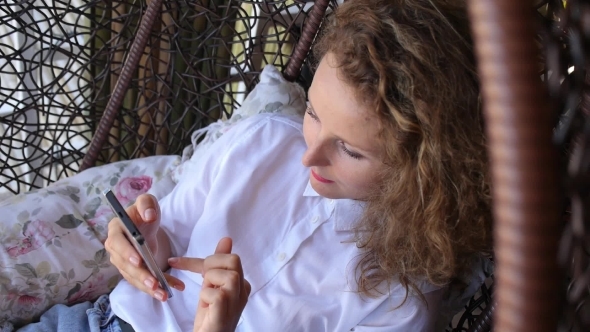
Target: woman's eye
350 153
309 112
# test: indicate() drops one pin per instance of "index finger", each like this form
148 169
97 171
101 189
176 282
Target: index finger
200 265
195 265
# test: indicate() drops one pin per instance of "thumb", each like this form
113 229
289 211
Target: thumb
224 246
145 213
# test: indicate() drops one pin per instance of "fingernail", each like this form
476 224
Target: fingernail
149 283
149 214
159 295
173 260
134 260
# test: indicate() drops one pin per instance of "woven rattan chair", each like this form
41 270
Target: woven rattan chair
188 63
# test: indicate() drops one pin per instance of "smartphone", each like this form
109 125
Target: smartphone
135 237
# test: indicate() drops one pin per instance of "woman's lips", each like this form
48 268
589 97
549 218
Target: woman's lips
319 178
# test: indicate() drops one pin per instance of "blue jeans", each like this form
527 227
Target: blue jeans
82 317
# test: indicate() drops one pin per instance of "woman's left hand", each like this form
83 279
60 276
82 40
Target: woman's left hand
225 291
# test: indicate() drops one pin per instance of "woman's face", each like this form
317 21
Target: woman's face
343 150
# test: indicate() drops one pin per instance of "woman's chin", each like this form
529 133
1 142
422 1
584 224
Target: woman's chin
327 190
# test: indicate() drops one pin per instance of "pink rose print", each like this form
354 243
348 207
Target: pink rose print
129 188
20 249
103 215
28 301
39 232
94 288
36 235
11 295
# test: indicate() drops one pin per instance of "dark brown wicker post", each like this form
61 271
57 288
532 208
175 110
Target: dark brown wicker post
114 103
483 323
310 30
523 161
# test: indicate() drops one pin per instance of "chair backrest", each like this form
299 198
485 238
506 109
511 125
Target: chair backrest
189 63
228 63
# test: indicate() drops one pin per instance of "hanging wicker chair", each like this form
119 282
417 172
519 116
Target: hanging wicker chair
97 82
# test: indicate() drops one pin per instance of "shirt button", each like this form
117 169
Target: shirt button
315 219
332 202
281 257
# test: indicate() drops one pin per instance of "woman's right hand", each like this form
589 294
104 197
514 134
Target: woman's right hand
224 292
145 213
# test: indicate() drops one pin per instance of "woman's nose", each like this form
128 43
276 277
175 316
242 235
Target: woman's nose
315 156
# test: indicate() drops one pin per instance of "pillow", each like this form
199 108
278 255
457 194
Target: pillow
273 94
51 239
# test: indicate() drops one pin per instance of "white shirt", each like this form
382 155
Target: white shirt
296 247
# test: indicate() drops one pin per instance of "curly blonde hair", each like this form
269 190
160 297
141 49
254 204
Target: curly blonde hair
412 62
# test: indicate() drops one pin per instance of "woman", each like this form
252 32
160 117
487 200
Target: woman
355 219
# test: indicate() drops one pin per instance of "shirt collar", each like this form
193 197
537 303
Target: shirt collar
347 212
309 191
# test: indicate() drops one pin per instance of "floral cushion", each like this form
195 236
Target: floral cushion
51 239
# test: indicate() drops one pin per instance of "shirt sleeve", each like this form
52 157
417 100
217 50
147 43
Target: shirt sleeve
183 206
414 315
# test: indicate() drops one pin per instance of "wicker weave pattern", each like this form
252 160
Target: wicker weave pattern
566 39
201 59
